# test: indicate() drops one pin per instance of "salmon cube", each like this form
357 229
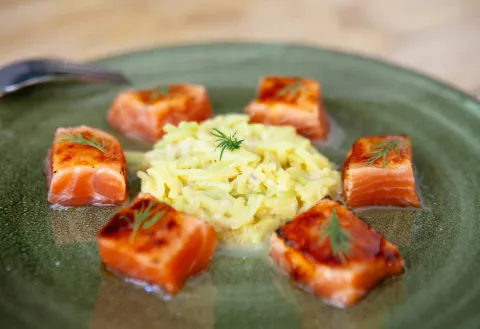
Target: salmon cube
141 114
333 253
291 101
152 242
378 171
85 166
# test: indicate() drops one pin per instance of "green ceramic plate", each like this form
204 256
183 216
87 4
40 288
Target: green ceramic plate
50 273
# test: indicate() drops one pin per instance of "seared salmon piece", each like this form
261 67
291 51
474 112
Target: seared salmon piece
152 242
290 101
85 166
333 253
378 171
141 114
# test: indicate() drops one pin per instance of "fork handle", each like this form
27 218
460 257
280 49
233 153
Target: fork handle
83 72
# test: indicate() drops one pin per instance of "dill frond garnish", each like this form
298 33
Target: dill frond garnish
80 139
225 142
339 238
381 150
290 89
157 93
142 220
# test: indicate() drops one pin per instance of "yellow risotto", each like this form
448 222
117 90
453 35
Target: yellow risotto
252 190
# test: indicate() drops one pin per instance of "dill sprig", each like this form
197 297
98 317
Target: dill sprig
157 92
290 89
225 142
142 220
80 139
339 238
381 150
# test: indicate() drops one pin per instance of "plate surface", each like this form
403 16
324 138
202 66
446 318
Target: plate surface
50 274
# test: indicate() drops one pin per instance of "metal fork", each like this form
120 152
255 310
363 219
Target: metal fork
21 74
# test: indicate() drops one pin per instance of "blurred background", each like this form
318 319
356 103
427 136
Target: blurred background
438 37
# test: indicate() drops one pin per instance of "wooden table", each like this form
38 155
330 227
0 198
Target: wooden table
439 37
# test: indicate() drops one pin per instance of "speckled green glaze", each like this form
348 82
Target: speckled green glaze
50 273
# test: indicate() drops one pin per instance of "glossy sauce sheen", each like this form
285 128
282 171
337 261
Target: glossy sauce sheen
297 248
141 114
374 185
301 107
79 174
166 254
